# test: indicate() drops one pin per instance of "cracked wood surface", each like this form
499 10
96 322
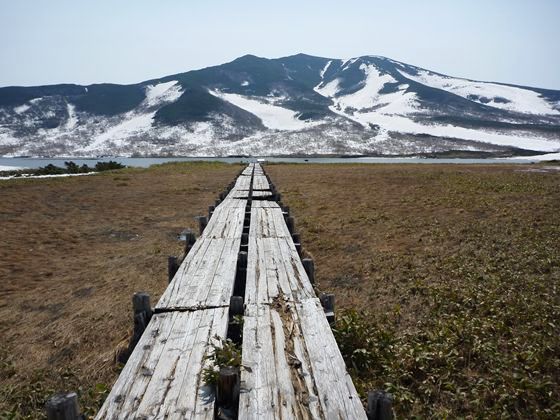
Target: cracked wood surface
162 378
292 367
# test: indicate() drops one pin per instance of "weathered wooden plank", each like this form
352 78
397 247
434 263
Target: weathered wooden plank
162 378
206 279
293 368
337 394
260 183
274 271
268 222
243 183
248 170
272 381
245 194
265 204
227 220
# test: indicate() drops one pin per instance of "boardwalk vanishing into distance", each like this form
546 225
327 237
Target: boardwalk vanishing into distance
244 264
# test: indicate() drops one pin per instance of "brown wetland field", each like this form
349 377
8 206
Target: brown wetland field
447 277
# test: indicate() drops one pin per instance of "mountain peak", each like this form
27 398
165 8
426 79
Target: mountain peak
300 104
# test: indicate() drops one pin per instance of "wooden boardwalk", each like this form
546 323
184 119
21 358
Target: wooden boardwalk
291 365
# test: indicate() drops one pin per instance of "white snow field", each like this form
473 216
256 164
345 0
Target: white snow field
10 168
272 116
162 93
391 112
516 99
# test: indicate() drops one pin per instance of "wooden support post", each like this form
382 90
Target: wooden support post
227 392
286 210
172 267
242 259
63 407
210 211
236 306
327 300
379 405
142 315
309 266
241 273
296 238
217 202
141 303
202 222
190 239
291 223
298 248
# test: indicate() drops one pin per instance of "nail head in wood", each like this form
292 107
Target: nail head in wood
380 405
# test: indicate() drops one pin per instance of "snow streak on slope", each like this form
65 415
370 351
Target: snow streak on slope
392 112
491 94
162 93
72 119
21 109
272 116
370 97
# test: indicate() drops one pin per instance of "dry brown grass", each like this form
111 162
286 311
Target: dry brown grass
391 239
368 225
458 268
72 253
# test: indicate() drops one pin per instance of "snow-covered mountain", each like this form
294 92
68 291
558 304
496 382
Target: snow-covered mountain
294 105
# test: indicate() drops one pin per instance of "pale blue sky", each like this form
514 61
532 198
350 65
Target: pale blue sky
89 41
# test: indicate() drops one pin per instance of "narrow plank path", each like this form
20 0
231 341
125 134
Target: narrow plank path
293 368
291 365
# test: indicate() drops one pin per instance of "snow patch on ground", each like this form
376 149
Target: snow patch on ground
72 121
43 176
10 168
131 125
406 125
369 95
538 158
324 70
330 89
163 93
21 109
272 116
498 96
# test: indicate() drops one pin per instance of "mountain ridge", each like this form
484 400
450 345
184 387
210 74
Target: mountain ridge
299 104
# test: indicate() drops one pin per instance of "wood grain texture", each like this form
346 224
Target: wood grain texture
268 222
292 367
260 183
162 378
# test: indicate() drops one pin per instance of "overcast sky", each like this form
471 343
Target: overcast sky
90 41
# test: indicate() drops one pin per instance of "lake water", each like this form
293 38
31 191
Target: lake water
145 162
